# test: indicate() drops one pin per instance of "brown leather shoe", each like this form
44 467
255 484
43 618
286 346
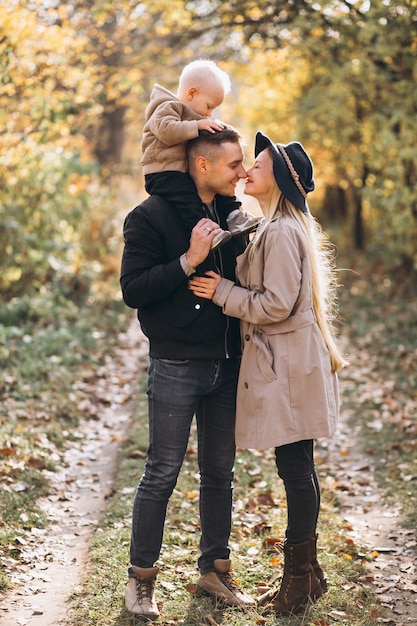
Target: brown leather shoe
316 566
221 586
139 596
300 585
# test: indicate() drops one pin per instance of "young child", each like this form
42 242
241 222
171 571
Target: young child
171 120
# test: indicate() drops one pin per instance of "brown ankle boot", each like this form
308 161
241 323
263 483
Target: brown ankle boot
140 593
300 584
316 567
221 586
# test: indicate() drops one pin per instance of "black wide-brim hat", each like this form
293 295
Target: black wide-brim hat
292 167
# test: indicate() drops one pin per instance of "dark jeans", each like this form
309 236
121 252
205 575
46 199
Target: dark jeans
176 391
295 464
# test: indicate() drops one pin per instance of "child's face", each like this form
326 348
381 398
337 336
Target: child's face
204 100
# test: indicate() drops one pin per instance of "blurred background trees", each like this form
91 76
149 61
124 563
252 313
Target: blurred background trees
75 78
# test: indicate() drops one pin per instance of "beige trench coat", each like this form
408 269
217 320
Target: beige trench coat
286 390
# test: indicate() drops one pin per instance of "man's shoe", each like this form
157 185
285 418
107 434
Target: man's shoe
139 597
242 222
218 240
221 586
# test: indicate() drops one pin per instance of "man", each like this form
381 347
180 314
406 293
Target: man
194 360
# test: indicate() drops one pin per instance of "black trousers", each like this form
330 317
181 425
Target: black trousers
295 464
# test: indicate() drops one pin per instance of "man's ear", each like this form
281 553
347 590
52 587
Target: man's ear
193 91
201 165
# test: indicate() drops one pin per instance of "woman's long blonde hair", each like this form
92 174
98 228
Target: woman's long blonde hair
321 255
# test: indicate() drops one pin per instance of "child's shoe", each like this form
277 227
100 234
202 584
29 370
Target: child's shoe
242 222
221 238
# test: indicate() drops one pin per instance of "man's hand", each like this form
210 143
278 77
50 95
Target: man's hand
210 125
201 237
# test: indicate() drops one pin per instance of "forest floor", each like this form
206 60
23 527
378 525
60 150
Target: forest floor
53 560
55 556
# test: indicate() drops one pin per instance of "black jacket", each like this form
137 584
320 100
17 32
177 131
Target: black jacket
178 324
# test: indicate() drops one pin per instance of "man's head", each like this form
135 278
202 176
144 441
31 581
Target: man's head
215 162
202 86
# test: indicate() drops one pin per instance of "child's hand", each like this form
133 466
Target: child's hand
205 287
210 125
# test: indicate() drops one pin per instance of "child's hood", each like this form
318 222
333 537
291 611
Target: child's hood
158 95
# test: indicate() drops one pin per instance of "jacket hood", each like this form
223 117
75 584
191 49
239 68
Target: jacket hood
158 95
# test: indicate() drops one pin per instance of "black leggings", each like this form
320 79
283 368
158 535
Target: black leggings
295 464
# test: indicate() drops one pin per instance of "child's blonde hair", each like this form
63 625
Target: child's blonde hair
324 283
201 73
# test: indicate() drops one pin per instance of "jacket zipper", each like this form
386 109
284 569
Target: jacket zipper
221 272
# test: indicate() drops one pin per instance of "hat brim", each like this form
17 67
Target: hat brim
281 172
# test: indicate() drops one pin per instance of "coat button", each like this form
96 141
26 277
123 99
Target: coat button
246 386
197 306
247 337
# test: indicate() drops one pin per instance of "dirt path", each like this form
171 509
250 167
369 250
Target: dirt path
54 557
375 524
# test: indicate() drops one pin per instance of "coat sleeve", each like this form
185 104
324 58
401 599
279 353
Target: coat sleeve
168 126
282 275
146 277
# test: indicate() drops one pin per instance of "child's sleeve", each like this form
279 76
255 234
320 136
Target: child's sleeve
167 124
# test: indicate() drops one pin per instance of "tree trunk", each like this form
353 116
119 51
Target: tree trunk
358 229
110 137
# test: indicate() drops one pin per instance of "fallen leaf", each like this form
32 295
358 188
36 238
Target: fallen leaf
338 615
273 544
8 451
191 588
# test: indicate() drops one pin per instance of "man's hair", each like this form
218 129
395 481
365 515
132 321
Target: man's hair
207 144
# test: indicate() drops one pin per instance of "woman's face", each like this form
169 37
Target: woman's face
260 178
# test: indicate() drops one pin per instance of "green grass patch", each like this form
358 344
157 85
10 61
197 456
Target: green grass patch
52 353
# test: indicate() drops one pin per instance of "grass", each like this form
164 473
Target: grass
51 354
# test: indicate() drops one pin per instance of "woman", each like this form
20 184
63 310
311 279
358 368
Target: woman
288 388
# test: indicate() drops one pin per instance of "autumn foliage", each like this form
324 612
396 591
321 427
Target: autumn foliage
75 78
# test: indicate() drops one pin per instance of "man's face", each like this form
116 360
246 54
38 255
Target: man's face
224 172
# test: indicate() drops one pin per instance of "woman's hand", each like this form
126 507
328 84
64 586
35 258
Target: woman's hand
205 286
